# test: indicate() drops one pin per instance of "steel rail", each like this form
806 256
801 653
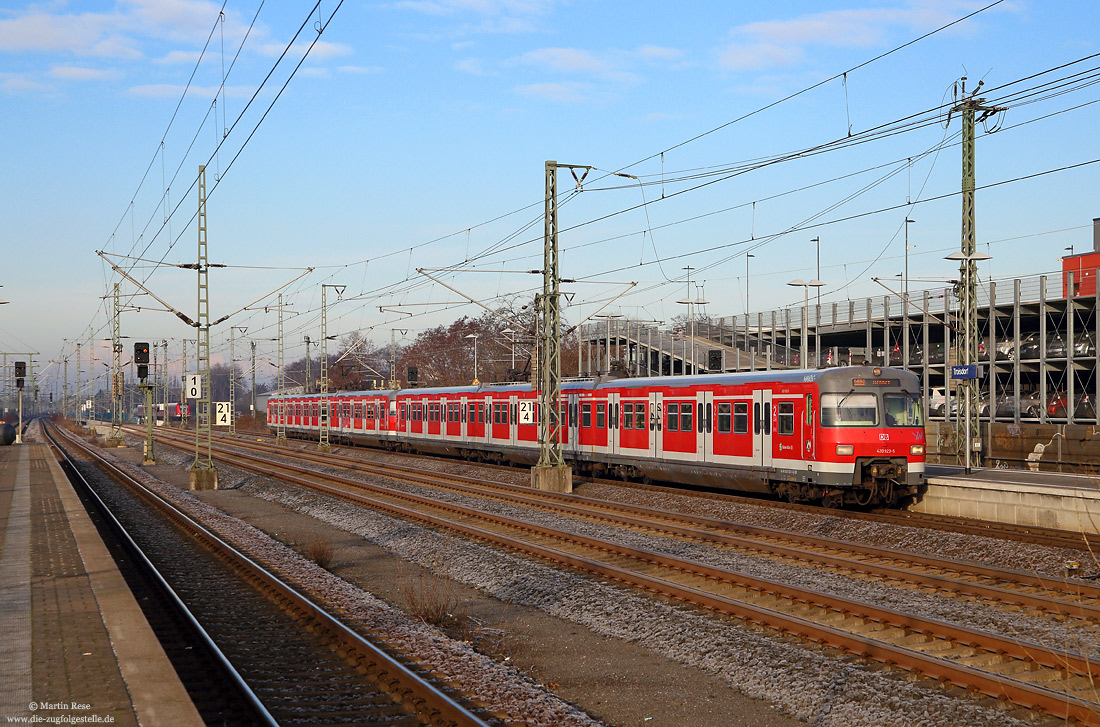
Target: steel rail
158 579
429 702
718 531
947 523
1019 692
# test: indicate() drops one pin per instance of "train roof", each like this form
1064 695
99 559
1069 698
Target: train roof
839 377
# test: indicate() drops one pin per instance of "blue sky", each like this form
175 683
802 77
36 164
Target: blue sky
415 134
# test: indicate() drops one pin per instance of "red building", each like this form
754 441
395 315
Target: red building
1083 266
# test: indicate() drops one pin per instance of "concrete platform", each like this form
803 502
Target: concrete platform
1045 499
77 647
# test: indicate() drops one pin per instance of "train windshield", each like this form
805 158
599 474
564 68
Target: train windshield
903 410
849 410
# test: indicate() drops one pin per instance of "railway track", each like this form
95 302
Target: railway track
1057 681
1052 537
296 663
1010 587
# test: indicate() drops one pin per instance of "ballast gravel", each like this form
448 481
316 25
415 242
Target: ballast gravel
1014 624
501 690
816 685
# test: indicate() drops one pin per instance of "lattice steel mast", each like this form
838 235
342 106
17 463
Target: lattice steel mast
280 386
115 438
551 472
203 475
968 271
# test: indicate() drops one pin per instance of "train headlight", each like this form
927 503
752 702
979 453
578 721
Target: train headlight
917 449
845 449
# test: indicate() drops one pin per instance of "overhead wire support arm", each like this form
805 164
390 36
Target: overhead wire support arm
498 314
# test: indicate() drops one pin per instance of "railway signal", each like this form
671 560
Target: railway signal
141 358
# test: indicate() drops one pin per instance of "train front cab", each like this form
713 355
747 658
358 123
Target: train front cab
871 436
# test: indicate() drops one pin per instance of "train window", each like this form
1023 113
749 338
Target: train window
358 411
849 410
699 417
628 416
586 415
723 419
685 416
601 416
809 409
452 413
741 417
672 417
481 413
767 417
785 414
903 410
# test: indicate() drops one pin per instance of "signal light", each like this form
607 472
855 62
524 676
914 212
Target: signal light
143 372
141 353
20 369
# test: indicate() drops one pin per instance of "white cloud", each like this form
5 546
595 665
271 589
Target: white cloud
473 66
566 59
79 73
172 90
772 43
557 92
372 70
322 50
582 62
759 55
39 31
189 57
483 16
653 52
16 84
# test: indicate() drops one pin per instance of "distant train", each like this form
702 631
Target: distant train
844 437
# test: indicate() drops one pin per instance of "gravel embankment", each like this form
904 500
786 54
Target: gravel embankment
811 683
498 687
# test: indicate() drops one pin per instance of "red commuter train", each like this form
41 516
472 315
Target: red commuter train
851 436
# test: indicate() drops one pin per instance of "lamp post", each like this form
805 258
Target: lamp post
817 242
970 406
799 282
747 256
513 334
691 326
905 290
608 316
474 336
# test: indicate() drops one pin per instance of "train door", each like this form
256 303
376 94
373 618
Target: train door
463 410
656 424
572 410
613 422
762 428
513 419
705 425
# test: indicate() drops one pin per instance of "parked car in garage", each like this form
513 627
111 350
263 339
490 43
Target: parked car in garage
1032 343
1083 408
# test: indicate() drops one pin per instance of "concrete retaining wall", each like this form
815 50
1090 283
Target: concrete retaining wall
1049 506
